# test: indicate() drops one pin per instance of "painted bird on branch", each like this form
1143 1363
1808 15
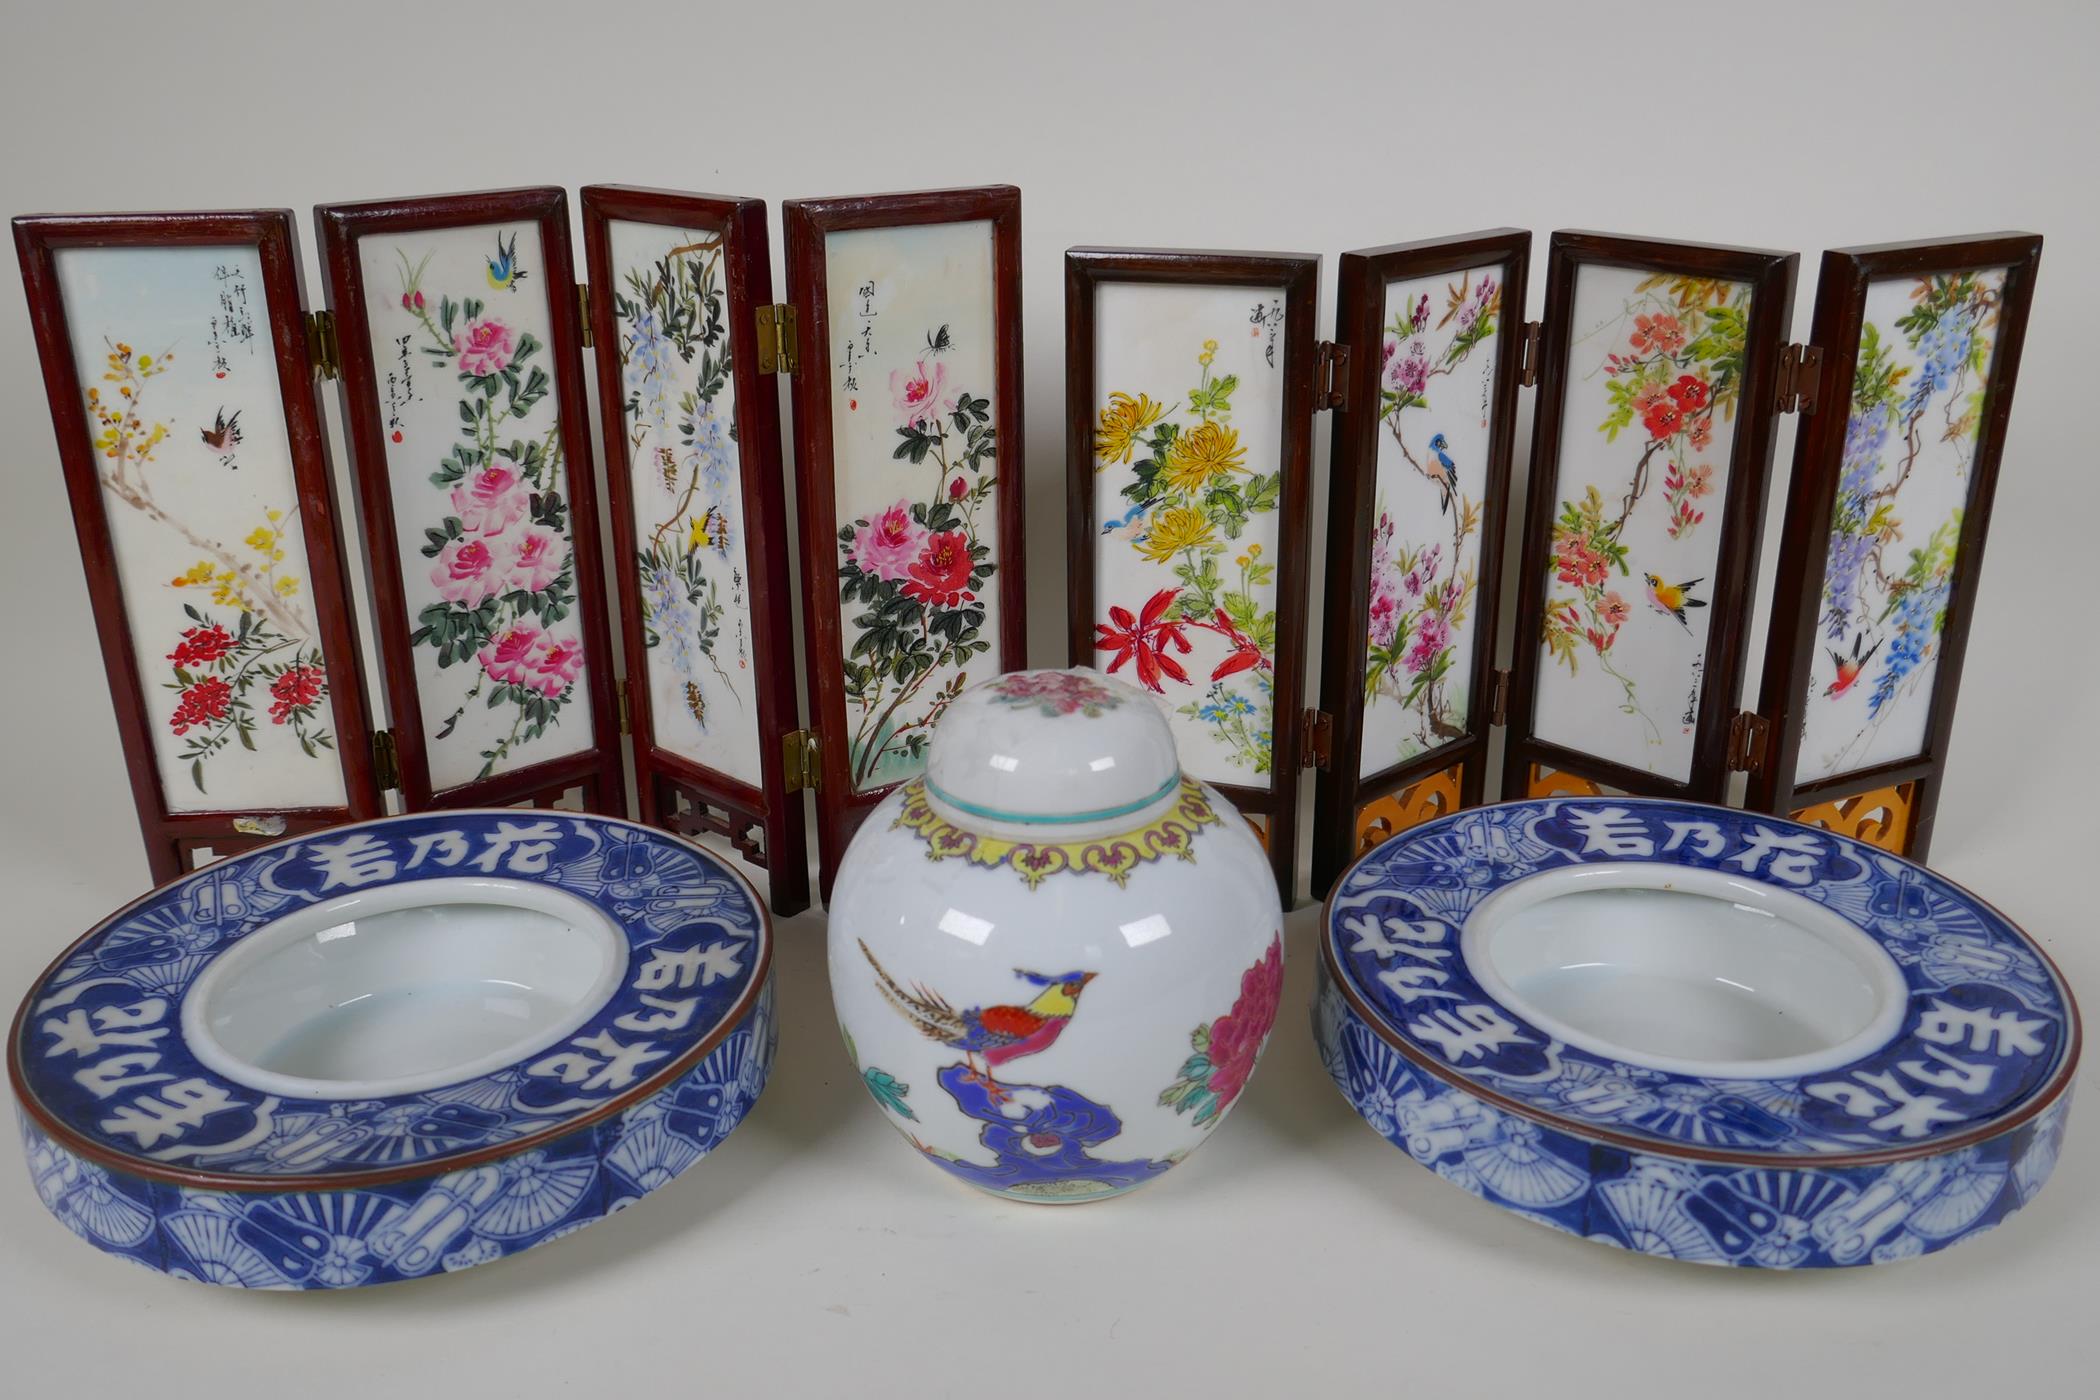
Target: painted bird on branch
994 1034
1444 473
1673 598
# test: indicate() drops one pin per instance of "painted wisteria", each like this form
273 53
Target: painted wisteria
1192 497
1632 559
501 597
1425 548
913 575
684 478
1918 389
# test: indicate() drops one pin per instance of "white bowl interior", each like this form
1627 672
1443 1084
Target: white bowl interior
1683 970
403 988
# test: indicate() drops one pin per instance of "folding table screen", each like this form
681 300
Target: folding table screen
181 363
182 390
460 349
1884 529
699 515
1418 489
1189 397
907 406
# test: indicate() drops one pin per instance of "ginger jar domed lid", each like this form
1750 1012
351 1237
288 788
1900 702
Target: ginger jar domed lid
1051 755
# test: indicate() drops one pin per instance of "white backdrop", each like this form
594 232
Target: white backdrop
811 1256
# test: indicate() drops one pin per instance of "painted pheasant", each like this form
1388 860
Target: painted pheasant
995 1034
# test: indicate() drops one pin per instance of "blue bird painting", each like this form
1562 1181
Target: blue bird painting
1444 473
504 272
1125 521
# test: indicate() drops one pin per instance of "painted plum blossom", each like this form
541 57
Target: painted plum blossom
912 577
1424 543
501 561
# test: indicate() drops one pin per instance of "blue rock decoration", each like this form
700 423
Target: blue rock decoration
145 1152
1926 1140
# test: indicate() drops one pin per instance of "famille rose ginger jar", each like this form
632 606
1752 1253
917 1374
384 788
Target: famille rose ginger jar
1696 1032
394 1049
1055 957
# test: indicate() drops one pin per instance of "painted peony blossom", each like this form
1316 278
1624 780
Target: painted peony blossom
510 654
469 571
555 669
887 545
485 346
1236 1037
536 560
940 576
917 392
489 501
1055 693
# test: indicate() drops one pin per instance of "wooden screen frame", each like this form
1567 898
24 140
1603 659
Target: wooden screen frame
598 770
1297 276
840 810
718 802
1791 638
1771 278
171 837
1359 316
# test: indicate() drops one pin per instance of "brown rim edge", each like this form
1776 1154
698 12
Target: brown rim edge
270 1186
2017 1118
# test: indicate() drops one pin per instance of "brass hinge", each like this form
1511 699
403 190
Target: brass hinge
778 352
1528 357
1800 370
626 723
1498 697
322 350
1316 750
583 321
1749 738
798 757
386 760
1330 376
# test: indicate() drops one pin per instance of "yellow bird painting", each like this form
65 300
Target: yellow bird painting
1674 598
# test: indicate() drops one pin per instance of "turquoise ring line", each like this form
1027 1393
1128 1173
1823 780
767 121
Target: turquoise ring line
1099 814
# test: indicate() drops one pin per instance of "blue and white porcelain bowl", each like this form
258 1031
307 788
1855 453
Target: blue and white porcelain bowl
390 1049
1695 1032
